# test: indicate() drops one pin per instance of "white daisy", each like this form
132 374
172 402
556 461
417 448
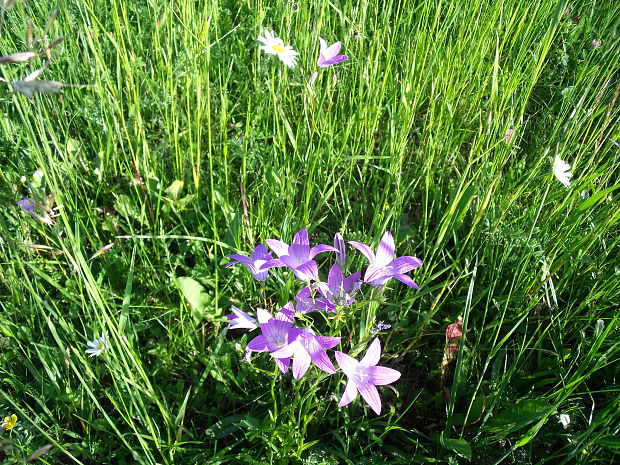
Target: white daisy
275 46
98 346
560 170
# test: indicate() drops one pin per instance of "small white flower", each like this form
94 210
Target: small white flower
275 46
98 346
560 170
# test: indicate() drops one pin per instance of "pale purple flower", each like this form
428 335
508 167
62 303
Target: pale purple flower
364 376
260 256
381 326
341 254
308 348
26 204
384 266
275 335
329 55
298 256
238 319
286 313
596 43
327 296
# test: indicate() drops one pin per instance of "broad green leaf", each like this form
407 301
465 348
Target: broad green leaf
518 416
460 446
195 294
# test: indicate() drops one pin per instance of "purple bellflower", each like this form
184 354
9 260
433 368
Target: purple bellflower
308 348
275 335
337 292
26 204
298 256
381 326
364 376
260 256
238 319
384 266
329 55
341 255
286 313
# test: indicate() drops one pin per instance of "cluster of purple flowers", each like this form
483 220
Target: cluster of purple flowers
304 346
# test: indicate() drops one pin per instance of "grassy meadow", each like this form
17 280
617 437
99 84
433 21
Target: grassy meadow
168 133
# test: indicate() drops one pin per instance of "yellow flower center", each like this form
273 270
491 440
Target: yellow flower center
101 346
278 48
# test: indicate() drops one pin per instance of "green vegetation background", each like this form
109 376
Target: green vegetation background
191 144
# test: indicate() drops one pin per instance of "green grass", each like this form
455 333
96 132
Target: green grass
407 136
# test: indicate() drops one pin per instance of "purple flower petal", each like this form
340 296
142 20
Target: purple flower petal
307 272
385 252
301 238
373 354
286 313
341 254
317 249
347 363
261 253
283 364
322 361
326 63
279 247
327 342
26 204
262 315
403 278
272 264
334 280
238 259
349 282
371 395
406 263
298 254
380 376
370 255
332 50
258 344
350 393
240 320
301 363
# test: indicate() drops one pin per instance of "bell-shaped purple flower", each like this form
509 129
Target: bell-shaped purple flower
341 254
337 292
364 376
275 335
308 348
260 256
26 204
329 55
298 256
384 266
238 319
